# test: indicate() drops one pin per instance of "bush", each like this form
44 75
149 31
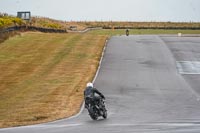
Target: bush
53 25
48 24
6 21
17 21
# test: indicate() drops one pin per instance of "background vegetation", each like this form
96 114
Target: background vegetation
6 21
140 25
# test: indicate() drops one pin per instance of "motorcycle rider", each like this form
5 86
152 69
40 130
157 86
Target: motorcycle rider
127 32
90 91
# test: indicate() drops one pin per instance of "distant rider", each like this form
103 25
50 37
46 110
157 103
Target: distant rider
127 32
90 92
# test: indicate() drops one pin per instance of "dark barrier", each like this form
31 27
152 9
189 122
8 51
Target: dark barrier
162 28
31 28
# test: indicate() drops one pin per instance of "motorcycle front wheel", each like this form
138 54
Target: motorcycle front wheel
93 114
105 114
94 117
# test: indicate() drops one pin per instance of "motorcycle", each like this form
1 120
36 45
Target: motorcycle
127 32
96 108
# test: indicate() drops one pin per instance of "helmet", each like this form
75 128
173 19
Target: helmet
90 84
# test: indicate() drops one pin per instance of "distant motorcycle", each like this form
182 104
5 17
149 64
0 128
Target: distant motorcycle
127 32
96 108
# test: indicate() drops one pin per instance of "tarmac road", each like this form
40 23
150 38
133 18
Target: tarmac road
145 92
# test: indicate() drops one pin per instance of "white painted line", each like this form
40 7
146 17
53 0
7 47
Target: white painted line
43 126
188 67
102 55
187 73
155 124
56 126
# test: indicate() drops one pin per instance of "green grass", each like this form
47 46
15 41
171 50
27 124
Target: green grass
142 31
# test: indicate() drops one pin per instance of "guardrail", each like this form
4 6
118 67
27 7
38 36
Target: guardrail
31 28
51 30
46 30
85 30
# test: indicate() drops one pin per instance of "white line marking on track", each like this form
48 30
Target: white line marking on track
102 55
56 126
156 124
188 67
43 126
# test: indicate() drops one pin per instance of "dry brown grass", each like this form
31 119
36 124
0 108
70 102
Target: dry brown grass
42 76
43 22
57 24
118 24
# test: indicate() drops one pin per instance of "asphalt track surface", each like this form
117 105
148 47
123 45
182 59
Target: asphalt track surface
144 91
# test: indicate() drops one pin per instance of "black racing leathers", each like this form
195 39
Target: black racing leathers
90 92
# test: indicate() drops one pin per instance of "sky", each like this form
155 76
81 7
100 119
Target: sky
108 10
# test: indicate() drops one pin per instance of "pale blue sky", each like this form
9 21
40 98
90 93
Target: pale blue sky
106 10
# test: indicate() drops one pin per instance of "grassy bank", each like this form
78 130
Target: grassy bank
43 75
